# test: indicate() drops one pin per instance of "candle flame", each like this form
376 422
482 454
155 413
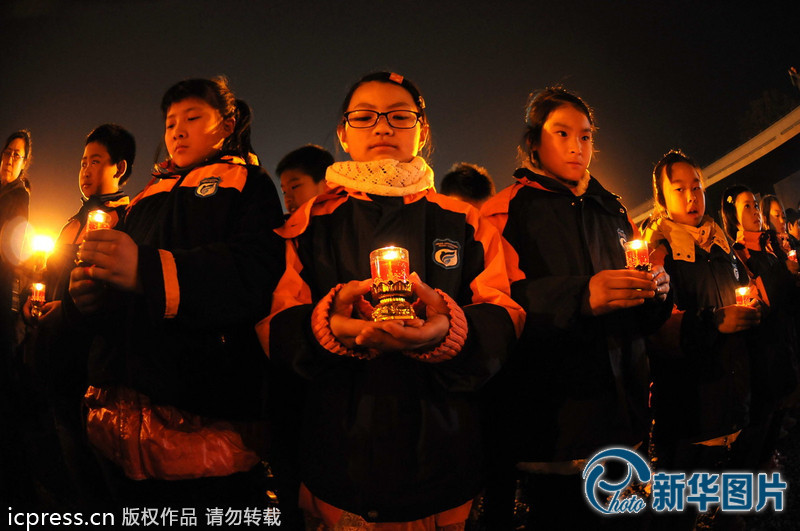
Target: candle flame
390 254
38 286
743 291
637 244
42 243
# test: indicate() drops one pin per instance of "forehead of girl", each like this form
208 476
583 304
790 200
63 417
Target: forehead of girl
681 173
568 112
191 104
379 95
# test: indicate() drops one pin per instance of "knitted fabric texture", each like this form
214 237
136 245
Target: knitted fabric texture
453 342
386 177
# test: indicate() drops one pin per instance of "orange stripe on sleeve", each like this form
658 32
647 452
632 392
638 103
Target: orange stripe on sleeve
172 292
291 291
491 285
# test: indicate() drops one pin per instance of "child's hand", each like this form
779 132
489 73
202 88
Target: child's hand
114 257
412 334
343 325
87 294
735 318
662 282
615 289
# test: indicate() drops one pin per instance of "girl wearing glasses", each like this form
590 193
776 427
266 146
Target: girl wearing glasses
391 418
14 200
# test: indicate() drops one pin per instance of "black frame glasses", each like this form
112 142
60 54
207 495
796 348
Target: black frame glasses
370 118
13 155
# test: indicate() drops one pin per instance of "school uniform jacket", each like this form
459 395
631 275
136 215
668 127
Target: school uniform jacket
773 354
208 260
575 383
701 389
393 438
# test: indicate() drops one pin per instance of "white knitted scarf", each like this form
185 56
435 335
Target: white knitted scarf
382 177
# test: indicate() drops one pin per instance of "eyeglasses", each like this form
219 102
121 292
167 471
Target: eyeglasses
13 155
363 119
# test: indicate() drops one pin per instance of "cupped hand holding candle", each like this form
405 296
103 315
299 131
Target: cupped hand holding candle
389 335
114 257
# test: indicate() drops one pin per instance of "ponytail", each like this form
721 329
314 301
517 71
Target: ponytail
239 140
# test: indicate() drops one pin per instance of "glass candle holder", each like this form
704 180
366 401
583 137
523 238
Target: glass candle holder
98 219
637 255
37 299
792 255
391 286
743 296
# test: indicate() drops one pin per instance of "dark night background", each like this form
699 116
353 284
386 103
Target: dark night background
659 75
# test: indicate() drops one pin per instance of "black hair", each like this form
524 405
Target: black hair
730 220
216 93
397 79
540 104
664 167
311 159
119 143
468 181
792 215
25 135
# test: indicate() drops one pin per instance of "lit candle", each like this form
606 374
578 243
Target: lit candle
637 255
37 299
98 219
41 245
743 296
793 255
390 283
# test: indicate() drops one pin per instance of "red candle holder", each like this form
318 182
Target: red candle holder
637 255
390 284
98 219
792 255
37 299
743 296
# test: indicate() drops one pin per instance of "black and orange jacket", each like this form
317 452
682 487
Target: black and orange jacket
392 438
701 377
575 383
774 352
208 262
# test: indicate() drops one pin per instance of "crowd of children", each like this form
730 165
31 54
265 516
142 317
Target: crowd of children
203 349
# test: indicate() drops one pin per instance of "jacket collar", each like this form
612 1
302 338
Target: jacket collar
168 170
594 190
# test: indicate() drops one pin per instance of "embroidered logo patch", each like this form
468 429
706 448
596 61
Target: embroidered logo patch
622 237
447 253
207 187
